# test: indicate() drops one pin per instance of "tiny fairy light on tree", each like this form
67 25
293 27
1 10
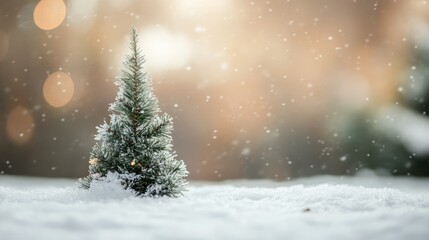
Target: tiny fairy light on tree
136 143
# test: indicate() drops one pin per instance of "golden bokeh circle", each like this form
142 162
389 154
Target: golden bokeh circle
19 125
58 89
49 14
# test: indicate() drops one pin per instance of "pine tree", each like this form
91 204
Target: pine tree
136 143
374 145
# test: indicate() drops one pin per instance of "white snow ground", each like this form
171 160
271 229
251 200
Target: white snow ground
313 208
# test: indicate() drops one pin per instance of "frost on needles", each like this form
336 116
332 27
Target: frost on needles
135 146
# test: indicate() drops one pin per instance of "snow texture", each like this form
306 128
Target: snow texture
312 208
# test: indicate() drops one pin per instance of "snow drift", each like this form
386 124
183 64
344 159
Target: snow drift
303 209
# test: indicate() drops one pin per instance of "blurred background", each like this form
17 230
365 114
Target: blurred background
258 89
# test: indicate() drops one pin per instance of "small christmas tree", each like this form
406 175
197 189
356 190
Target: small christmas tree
136 144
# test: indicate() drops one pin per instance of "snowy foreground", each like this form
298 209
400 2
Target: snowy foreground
363 207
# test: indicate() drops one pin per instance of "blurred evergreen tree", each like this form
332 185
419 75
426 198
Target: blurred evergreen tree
369 144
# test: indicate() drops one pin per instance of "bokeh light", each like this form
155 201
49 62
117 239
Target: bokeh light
164 49
58 89
20 125
201 7
49 14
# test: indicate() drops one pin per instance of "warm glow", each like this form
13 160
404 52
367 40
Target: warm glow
196 6
58 89
165 50
93 161
19 125
49 14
